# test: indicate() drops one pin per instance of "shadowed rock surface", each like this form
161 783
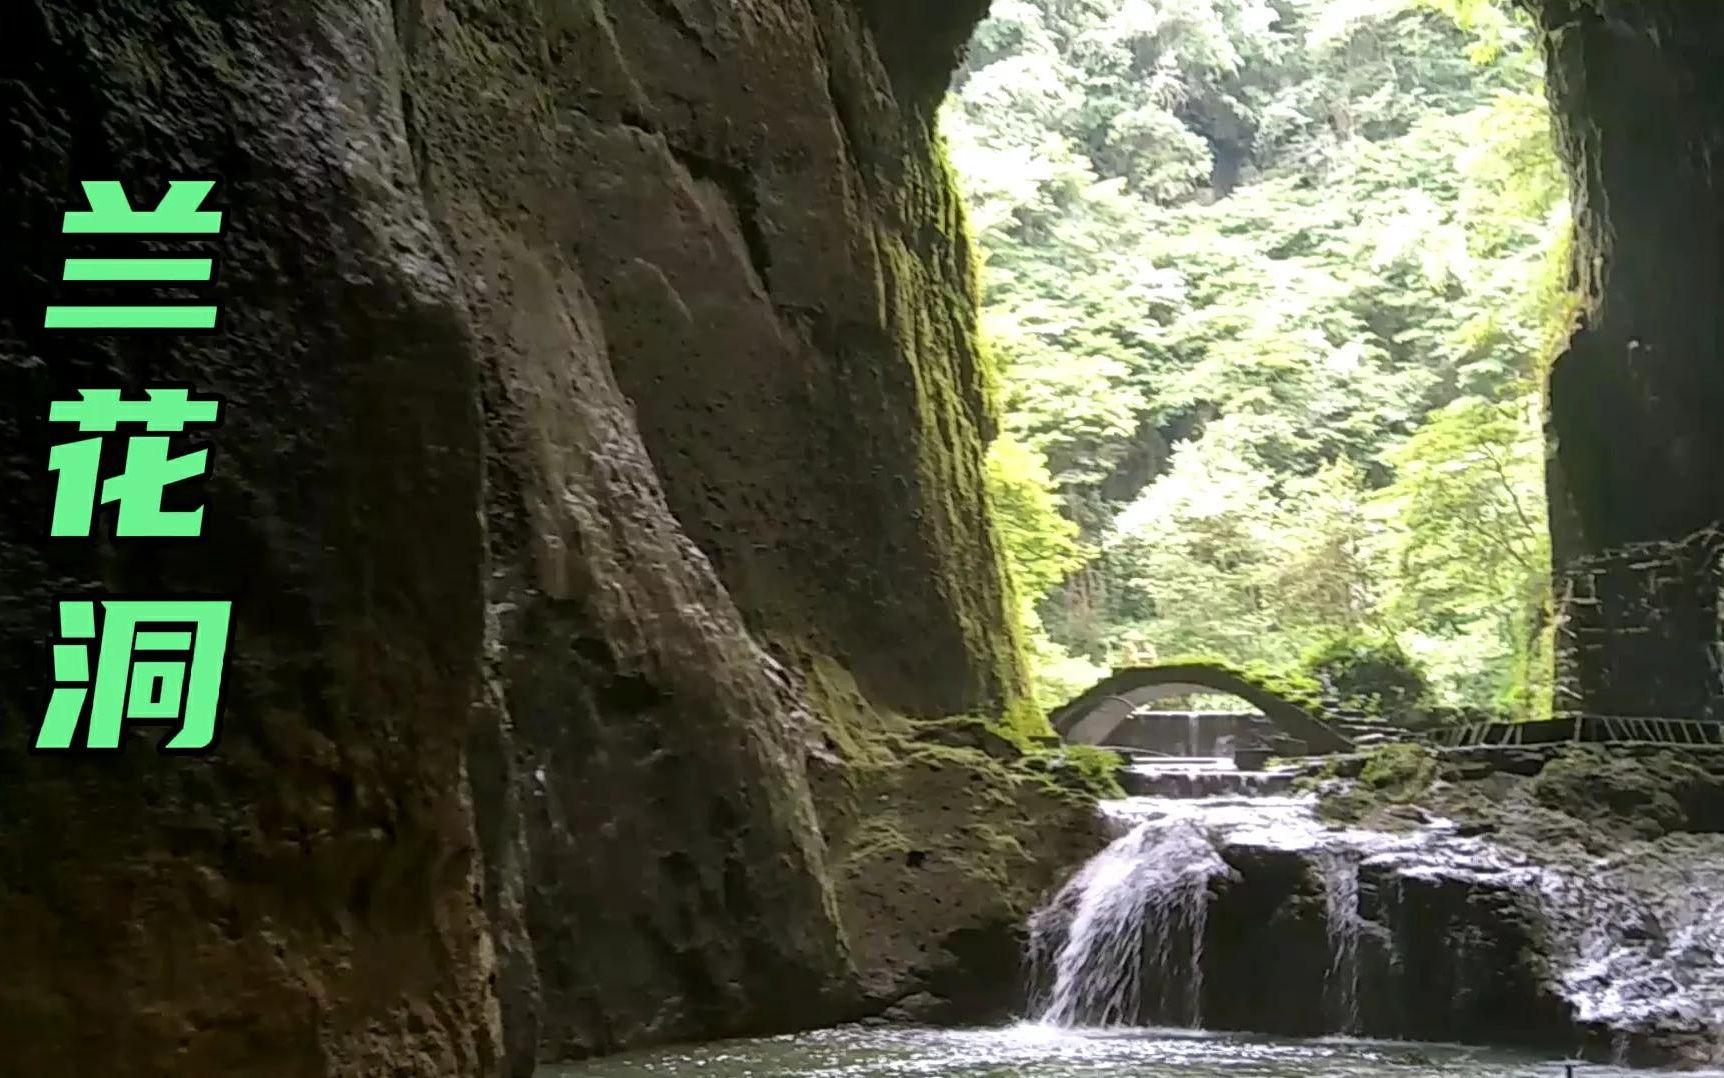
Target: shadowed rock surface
574 354
1637 92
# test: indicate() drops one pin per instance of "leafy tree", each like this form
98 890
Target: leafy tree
1373 673
1471 546
1041 545
1269 282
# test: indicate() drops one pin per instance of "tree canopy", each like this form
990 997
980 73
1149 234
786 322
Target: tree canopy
1268 282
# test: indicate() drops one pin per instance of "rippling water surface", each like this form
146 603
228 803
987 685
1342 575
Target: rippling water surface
1045 1052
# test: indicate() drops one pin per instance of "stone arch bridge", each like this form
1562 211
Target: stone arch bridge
1093 717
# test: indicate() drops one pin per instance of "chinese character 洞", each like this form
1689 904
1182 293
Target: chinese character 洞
149 468
179 213
157 661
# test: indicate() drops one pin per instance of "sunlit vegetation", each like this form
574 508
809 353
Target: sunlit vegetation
1269 283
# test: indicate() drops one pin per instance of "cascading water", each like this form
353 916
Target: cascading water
1126 934
1341 919
1122 943
1645 941
1200 777
1423 933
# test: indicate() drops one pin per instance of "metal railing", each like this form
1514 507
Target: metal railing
1584 729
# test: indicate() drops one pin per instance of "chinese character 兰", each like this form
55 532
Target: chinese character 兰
179 213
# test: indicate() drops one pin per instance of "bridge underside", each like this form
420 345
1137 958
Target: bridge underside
1192 734
1109 713
1094 717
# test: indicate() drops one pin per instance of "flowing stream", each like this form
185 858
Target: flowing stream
1427 933
1033 1051
1414 934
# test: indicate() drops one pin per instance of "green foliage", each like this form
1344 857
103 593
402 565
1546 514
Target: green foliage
1060 675
1041 545
1372 673
1472 559
1269 284
1042 549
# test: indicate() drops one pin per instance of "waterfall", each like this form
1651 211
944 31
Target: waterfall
1423 932
1122 943
1341 910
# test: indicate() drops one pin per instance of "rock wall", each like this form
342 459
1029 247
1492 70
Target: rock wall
1638 96
1640 630
574 354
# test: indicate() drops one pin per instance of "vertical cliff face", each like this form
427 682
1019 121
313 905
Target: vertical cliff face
1638 95
304 901
573 354
776 256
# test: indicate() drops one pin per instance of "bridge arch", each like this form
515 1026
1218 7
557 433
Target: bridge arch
1093 716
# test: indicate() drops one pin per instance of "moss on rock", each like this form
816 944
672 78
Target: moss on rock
1375 786
942 837
1589 798
1643 796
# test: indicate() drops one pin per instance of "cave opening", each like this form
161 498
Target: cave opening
1271 287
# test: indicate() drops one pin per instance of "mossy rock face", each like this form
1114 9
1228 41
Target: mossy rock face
1585 797
1399 772
942 837
971 733
1378 785
939 854
1648 796
568 351
1085 769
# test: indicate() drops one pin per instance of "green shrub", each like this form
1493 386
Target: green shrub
1373 674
